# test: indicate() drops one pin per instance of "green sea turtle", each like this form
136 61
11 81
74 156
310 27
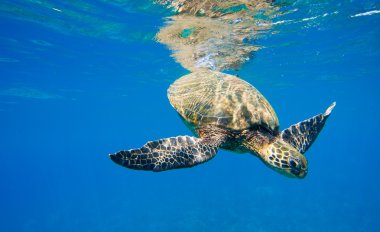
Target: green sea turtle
226 112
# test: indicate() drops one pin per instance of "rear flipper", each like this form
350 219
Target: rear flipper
165 154
302 135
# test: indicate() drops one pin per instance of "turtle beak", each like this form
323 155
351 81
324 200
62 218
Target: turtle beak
299 173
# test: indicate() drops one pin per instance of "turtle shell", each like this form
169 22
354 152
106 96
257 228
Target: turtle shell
213 98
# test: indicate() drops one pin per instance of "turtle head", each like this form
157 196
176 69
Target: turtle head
285 159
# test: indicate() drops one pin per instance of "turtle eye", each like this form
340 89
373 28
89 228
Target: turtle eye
293 163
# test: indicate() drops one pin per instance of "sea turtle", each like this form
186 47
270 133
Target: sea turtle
226 112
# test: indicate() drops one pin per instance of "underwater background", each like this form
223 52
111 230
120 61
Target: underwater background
83 79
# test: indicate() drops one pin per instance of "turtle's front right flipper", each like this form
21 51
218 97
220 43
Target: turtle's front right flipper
303 134
165 154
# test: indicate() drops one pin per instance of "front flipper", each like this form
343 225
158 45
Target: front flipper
168 153
302 135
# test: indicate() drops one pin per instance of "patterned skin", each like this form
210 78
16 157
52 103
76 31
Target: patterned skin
303 134
164 154
285 159
226 112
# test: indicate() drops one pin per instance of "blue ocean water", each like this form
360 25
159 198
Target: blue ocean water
82 79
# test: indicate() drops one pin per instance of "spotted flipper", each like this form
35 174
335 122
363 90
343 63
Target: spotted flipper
168 153
302 135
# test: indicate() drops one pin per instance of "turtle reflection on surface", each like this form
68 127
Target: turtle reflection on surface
221 38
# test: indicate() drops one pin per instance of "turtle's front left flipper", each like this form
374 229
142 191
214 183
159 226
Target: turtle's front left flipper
302 135
168 153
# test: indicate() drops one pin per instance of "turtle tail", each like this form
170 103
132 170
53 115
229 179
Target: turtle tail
303 134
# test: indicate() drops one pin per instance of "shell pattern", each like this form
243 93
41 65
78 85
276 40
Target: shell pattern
213 98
